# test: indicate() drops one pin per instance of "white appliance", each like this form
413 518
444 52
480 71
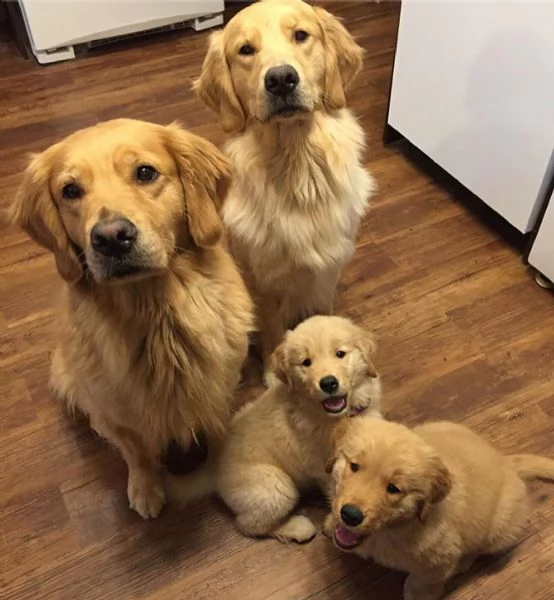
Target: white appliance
542 251
55 27
473 88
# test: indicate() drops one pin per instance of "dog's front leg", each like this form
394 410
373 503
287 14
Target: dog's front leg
145 488
426 586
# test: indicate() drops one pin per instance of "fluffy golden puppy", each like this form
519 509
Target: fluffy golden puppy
428 501
277 76
154 318
278 445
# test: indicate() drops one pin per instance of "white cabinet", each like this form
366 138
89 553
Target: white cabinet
473 88
542 252
55 26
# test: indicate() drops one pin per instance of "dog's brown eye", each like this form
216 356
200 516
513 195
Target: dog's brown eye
306 362
392 489
341 353
246 50
146 173
301 36
72 191
354 467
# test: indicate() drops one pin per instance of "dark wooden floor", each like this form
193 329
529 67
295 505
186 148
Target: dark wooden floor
464 333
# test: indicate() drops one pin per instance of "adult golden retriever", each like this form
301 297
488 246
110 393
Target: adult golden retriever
155 316
278 445
428 501
277 76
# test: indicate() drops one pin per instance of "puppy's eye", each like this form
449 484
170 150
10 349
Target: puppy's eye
306 362
340 353
354 467
392 489
146 173
246 50
300 35
72 191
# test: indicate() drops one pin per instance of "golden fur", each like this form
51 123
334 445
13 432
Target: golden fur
149 349
278 444
455 498
299 190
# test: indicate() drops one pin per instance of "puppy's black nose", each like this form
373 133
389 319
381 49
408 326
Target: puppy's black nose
351 515
329 384
113 238
280 81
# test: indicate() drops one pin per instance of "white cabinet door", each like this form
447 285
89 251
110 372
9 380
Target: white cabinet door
473 88
53 23
542 253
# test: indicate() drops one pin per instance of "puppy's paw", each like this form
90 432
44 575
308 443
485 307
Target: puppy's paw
146 494
297 529
419 590
408 591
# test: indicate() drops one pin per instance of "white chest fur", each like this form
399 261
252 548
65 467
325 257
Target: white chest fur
298 196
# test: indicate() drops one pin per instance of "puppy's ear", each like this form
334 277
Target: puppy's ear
440 484
368 349
215 86
35 211
279 363
339 432
206 177
343 60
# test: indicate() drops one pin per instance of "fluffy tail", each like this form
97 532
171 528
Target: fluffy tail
532 466
193 486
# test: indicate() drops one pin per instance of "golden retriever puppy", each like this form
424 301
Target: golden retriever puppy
278 445
277 76
427 501
154 315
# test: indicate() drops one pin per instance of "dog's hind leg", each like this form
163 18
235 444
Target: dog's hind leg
263 499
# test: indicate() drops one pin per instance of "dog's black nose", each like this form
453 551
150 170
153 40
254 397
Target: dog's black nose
329 384
351 515
281 81
113 238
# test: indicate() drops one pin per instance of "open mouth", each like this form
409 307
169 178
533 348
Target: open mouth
335 404
345 538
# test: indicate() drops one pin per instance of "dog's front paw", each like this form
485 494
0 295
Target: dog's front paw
146 494
408 591
415 589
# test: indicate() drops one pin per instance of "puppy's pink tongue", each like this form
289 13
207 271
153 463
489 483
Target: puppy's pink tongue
345 537
335 403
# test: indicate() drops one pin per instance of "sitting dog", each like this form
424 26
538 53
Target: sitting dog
278 444
154 316
276 76
427 501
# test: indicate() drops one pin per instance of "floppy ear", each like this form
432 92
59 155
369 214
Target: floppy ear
343 60
215 86
35 211
368 348
279 363
336 436
206 177
440 486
